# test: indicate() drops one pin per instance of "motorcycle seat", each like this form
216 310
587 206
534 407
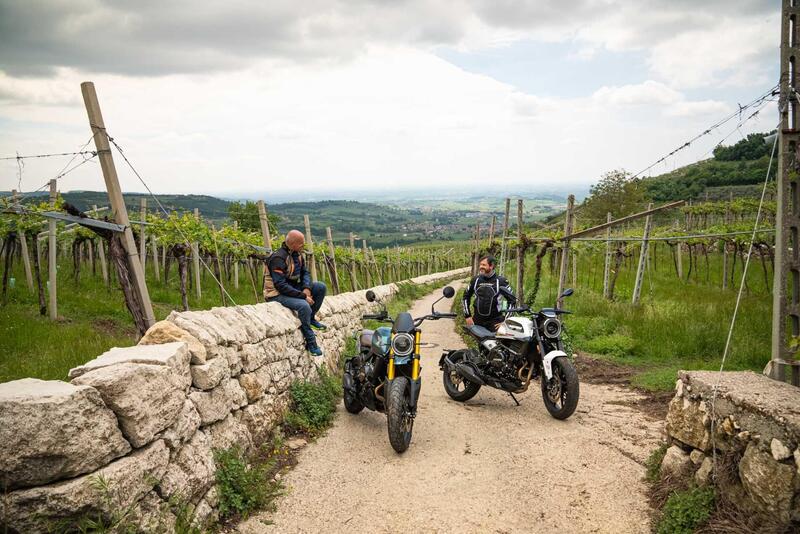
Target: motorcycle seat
366 338
480 332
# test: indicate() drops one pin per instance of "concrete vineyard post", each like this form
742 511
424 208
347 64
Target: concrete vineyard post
365 251
235 262
607 264
637 288
520 256
332 264
23 243
310 254
353 278
101 253
52 250
196 262
562 274
504 244
143 233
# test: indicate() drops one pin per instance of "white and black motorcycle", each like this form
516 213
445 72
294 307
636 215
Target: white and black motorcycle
526 346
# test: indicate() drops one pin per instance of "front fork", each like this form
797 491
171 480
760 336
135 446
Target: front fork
414 380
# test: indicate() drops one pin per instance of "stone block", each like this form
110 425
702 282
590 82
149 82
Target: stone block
143 397
53 430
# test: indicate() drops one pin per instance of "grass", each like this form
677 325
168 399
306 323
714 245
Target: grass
678 324
92 319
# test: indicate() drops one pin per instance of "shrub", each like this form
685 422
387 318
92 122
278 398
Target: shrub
686 510
653 463
313 403
242 487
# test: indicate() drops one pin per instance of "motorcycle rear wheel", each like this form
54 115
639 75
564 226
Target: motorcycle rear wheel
400 424
351 402
456 386
561 393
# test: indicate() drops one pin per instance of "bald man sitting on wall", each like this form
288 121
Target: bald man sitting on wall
286 280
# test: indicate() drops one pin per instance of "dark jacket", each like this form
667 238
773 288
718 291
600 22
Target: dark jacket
286 274
487 290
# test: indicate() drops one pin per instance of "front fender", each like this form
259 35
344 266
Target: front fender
547 361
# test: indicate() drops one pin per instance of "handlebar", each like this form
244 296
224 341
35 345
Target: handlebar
376 316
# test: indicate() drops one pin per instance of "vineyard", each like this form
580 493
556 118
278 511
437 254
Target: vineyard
189 263
680 314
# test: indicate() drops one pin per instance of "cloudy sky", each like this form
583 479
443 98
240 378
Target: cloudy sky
246 97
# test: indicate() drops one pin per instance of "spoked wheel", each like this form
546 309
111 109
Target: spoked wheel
561 392
398 416
458 387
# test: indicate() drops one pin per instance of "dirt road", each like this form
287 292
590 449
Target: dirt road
484 466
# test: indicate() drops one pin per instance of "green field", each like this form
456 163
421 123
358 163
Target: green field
678 324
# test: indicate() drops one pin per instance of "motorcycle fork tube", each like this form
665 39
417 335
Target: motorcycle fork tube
390 368
415 358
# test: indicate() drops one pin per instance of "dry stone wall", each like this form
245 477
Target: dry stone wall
145 419
754 426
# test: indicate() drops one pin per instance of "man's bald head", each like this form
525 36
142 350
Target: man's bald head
295 240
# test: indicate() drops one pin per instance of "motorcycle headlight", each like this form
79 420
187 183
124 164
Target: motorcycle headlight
403 344
552 328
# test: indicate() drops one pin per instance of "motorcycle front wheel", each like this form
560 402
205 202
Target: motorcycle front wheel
399 420
561 392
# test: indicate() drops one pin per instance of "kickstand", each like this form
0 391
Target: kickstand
513 397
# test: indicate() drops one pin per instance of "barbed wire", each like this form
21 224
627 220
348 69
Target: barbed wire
60 154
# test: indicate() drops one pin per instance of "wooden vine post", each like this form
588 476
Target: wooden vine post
607 265
520 256
310 254
562 274
332 262
23 243
353 278
52 250
504 243
491 231
101 253
476 255
196 262
637 288
118 210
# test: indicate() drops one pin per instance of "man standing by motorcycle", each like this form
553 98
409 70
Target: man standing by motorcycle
488 288
286 280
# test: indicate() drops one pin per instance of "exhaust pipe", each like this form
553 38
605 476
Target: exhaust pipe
468 372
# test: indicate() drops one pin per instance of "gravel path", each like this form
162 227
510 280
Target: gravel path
483 466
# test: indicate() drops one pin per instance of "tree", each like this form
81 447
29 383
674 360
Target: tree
617 193
246 214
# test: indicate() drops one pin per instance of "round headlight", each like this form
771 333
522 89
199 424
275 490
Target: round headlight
552 328
402 344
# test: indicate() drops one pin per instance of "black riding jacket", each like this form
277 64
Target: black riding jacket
487 290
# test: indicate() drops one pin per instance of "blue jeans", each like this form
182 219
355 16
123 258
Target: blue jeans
305 312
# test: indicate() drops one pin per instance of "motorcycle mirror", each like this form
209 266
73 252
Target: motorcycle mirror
567 292
371 296
448 292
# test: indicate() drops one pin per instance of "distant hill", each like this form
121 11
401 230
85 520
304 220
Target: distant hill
739 169
381 225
